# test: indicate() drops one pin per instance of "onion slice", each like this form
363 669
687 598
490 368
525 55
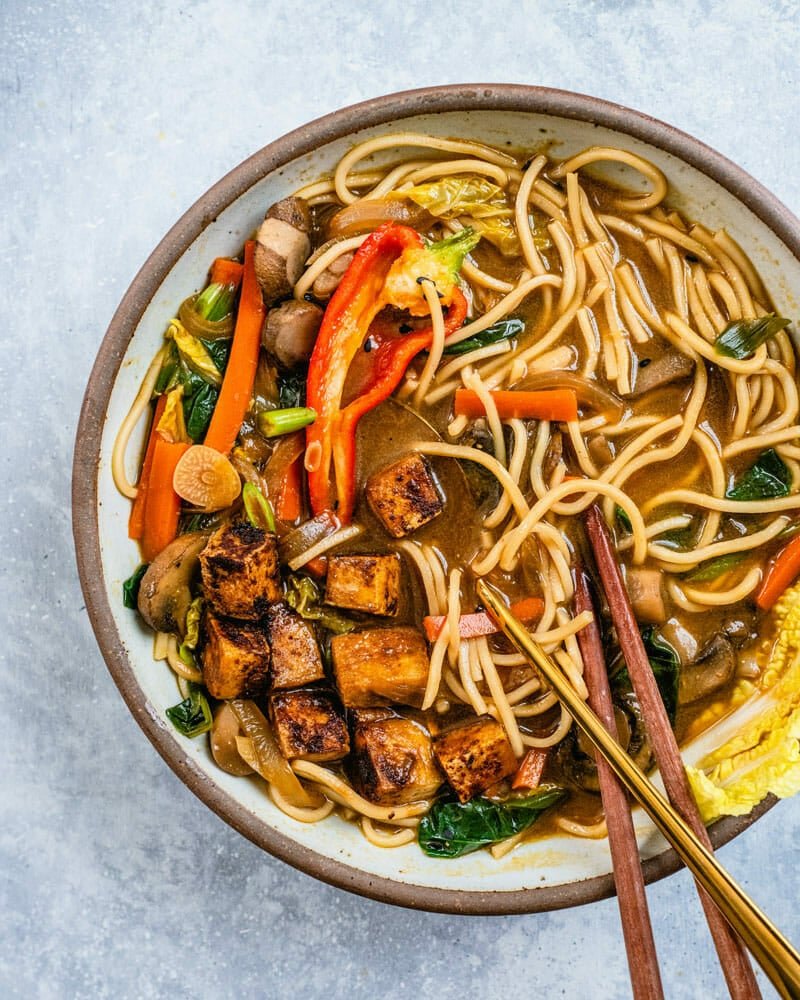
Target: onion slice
269 761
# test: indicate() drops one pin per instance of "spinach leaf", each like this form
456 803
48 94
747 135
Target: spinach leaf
767 477
712 568
292 388
504 329
220 352
623 518
130 588
666 668
170 366
453 828
192 716
198 409
740 338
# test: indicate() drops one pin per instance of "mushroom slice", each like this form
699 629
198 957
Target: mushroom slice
165 591
710 672
291 331
282 248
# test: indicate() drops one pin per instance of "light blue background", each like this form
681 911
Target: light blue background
114 880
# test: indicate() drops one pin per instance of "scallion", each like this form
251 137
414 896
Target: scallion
740 338
258 509
273 423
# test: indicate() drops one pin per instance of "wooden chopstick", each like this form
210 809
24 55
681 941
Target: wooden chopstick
637 930
732 954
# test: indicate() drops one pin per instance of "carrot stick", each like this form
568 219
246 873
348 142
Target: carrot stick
225 271
782 571
290 498
237 385
479 623
163 505
732 955
136 519
545 404
636 927
531 769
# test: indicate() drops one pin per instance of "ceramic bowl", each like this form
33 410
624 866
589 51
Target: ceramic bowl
541 875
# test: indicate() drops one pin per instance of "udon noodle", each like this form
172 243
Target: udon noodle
619 299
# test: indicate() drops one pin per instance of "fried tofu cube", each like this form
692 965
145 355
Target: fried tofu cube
239 567
296 658
310 725
364 583
235 658
393 762
474 755
405 495
379 666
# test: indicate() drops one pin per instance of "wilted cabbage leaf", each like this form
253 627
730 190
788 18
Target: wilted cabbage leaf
765 757
484 202
172 425
194 353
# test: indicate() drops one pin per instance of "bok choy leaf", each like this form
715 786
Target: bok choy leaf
452 829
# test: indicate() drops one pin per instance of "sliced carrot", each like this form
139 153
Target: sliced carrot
163 505
479 623
545 404
225 271
782 572
136 519
237 385
289 505
531 769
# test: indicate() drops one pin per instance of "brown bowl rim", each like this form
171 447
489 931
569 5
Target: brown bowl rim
347 121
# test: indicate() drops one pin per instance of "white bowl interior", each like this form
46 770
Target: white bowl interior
552 862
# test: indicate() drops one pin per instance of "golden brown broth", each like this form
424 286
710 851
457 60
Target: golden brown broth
389 431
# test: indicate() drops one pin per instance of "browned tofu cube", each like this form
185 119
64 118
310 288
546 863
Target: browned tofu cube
404 496
309 724
364 583
235 658
239 567
295 654
379 666
393 762
474 755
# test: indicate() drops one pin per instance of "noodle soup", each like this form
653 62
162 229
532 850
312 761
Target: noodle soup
422 374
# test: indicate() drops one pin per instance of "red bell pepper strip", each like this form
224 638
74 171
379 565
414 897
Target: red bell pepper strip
240 373
385 271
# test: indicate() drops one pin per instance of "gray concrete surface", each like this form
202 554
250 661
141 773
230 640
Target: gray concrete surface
114 880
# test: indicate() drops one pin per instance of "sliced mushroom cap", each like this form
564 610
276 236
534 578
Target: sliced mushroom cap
711 671
165 592
669 367
327 282
291 331
644 589
282 248
223 735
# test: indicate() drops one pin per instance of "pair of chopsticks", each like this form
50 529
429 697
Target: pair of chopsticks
733 918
